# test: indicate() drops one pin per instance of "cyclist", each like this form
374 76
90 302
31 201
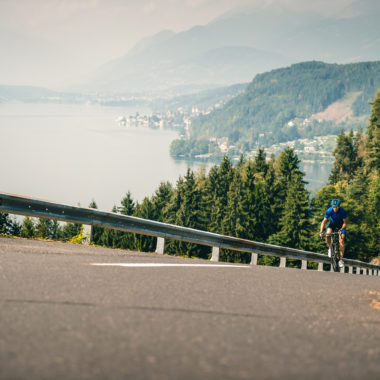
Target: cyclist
337 221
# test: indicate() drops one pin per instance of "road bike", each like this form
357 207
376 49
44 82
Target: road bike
335 256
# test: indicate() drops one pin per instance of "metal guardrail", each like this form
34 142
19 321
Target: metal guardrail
15 204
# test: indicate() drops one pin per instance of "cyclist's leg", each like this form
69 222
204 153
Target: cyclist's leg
341 244
328 237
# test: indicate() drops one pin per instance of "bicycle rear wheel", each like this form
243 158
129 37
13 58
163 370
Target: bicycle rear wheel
334 258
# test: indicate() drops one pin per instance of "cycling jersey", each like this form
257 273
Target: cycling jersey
336 218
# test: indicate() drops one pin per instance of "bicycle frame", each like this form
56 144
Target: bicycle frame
334 249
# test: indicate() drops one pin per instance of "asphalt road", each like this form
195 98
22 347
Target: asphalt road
62 317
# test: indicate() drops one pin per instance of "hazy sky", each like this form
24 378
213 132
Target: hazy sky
54 42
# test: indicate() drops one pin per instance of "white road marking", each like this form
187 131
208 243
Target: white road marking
155 265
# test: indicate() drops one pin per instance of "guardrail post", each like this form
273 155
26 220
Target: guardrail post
87 234
341 270
304 264
358 270
254 259
331 268
320 267
350 269
283 262
160 245
215 254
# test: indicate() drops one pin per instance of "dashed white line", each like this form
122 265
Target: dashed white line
155 265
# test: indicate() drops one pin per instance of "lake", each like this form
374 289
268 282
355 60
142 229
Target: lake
75 153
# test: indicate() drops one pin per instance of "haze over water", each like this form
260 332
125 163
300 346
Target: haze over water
75 153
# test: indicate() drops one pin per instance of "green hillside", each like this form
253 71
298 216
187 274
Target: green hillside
303 100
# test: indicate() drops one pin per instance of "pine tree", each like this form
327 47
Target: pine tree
43 228
27 228
219 188
249 201
345 154
274 200
260 162
359 149
144 243
235 218
295 218
5 223
208 201
373 137
127 205
189 213
287 166
108 236
15 229
70 230
96 232
161 200
373 218
125 240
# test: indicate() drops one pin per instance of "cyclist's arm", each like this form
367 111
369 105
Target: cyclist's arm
324 221
344 225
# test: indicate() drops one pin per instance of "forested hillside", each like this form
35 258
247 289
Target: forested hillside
286 104
256 199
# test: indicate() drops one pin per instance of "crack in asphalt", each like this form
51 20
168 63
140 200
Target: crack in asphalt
142 308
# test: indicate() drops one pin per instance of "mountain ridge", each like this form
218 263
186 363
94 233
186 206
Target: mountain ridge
168 59
288 104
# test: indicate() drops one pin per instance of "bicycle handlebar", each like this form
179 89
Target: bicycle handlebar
333 233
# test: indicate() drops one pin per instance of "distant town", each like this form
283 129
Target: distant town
318 148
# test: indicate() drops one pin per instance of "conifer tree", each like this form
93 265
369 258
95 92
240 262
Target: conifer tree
249 201
236 217
27 228
175 202
161 201
127 205
70 230
295 218
5 223
96 232
260 162
208 201
144 243
274 203
345 159
224 176
373 136
189 213
125 240
43 228
287 165
373 218
108 237
359 149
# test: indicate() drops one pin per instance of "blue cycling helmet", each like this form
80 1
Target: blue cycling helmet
335 203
